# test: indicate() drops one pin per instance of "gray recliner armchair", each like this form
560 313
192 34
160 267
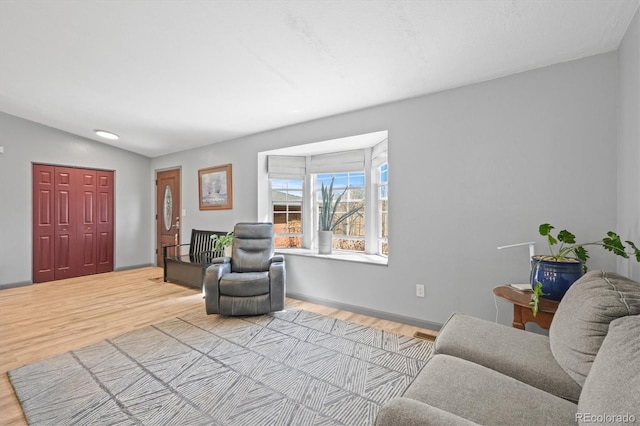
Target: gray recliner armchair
252 280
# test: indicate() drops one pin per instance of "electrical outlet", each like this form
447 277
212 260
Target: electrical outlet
420 290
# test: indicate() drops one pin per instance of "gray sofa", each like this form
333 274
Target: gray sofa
586 371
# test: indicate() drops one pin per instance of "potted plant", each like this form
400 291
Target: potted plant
328 220
553 274
223 243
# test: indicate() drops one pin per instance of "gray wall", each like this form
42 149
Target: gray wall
629 141
26 142
470 169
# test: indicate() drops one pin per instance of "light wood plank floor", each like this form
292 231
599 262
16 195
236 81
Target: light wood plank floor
43 320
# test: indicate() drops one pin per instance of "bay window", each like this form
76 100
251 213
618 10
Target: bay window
296 175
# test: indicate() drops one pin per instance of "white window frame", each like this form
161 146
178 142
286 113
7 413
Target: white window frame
306 167
378 185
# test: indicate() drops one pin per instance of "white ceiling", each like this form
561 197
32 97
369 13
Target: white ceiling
172 75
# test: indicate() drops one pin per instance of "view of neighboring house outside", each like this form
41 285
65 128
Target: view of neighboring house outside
286 199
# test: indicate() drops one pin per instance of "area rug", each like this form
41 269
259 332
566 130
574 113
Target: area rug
287 368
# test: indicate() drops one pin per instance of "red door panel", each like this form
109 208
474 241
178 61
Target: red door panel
85 260
65 233
43 229
45 255
63 256
104 221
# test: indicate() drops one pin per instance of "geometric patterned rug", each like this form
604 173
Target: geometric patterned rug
286 368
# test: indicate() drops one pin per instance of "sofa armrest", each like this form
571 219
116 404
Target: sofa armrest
409 412
519 354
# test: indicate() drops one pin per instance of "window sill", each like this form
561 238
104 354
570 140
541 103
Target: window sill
347 256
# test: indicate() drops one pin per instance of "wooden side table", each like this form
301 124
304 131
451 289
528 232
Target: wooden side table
522 312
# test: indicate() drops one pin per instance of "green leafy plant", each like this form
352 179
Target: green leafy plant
222 241
328 220
535 298
563 244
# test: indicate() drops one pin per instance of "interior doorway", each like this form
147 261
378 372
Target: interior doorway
167 211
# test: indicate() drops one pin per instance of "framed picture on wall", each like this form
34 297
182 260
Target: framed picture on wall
214 188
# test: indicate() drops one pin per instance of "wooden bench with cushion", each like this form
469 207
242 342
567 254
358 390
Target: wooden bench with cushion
188 269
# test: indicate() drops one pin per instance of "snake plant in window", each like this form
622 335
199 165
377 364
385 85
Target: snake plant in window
328 218
554 273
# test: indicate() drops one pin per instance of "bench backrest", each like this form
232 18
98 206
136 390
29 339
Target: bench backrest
202 245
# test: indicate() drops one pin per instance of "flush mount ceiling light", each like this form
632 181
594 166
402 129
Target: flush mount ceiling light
107 135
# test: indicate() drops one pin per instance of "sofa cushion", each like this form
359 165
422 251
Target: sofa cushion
613 385
484 396
582 320
522 355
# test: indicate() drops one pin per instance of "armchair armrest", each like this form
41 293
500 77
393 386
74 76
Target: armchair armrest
210 285
219 260
208 261
277 282
208 256
277 258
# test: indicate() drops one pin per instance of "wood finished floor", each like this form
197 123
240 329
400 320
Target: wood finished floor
43 320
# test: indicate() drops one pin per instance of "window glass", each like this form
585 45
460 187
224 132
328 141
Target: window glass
348 233
383 209
286 203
